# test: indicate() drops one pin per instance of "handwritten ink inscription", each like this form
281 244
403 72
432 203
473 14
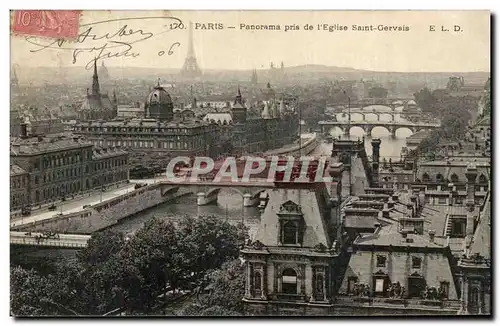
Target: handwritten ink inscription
114 42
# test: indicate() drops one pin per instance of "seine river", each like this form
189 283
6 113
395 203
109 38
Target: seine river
230 204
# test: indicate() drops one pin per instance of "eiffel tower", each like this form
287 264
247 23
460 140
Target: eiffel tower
190 68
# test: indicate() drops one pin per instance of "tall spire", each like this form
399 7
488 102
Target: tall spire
191 68
190 52
238 98
95 80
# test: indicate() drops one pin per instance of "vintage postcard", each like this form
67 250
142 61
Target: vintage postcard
250 163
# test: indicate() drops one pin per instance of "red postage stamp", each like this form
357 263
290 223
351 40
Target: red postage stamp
61 24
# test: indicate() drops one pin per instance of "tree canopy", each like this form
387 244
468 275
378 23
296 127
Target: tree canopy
131 274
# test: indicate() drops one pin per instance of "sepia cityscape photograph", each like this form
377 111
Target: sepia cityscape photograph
250 163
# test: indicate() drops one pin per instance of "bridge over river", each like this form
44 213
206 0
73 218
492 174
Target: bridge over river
367 126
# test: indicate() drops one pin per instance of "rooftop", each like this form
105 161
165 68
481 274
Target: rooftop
16 170
49 143
389 235
106 152
145 123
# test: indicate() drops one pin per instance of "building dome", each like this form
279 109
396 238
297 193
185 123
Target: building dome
159 104
158 96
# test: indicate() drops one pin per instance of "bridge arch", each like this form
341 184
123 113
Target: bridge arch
391 116
250 195
411 129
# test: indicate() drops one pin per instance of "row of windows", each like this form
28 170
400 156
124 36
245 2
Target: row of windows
67 189
148 144
17 200
454 178
57 160
141 129
76 172
18 183
108 164
416 262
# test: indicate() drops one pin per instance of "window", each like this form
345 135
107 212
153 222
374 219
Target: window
454 178
416 262
319 284
458 227
289 281
444 289
425 177
257 284
439 177
351 282
442 200
290 231
483 179
381 260
379 285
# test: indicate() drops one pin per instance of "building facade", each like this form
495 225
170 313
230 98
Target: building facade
290 264
19 181
164 134
61 166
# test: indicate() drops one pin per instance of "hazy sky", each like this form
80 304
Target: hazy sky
417 50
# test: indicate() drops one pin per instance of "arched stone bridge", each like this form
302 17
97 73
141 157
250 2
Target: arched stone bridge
392 103
208 191
368 126
364 113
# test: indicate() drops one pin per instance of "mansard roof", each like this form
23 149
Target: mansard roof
313 203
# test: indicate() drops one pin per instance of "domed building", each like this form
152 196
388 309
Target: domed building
159 104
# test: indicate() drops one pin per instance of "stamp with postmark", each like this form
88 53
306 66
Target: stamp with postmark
60 24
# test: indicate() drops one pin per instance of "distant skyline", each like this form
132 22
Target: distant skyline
417 50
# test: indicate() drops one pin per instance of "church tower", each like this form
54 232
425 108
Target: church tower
95 80
191 68
238 109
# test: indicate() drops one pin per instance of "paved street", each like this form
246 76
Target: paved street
71 206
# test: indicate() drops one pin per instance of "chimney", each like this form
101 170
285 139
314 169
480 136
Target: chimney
432 233
395 197
375 160
385 213
336 170
452 194
471 175
24 130
417 197
410 209
413 200
390 203
404 233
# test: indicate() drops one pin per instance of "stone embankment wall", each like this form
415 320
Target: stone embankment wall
104 214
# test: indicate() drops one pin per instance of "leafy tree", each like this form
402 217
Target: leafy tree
209 242
227 287
35 295
150 251
425 100
101 246
377 92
